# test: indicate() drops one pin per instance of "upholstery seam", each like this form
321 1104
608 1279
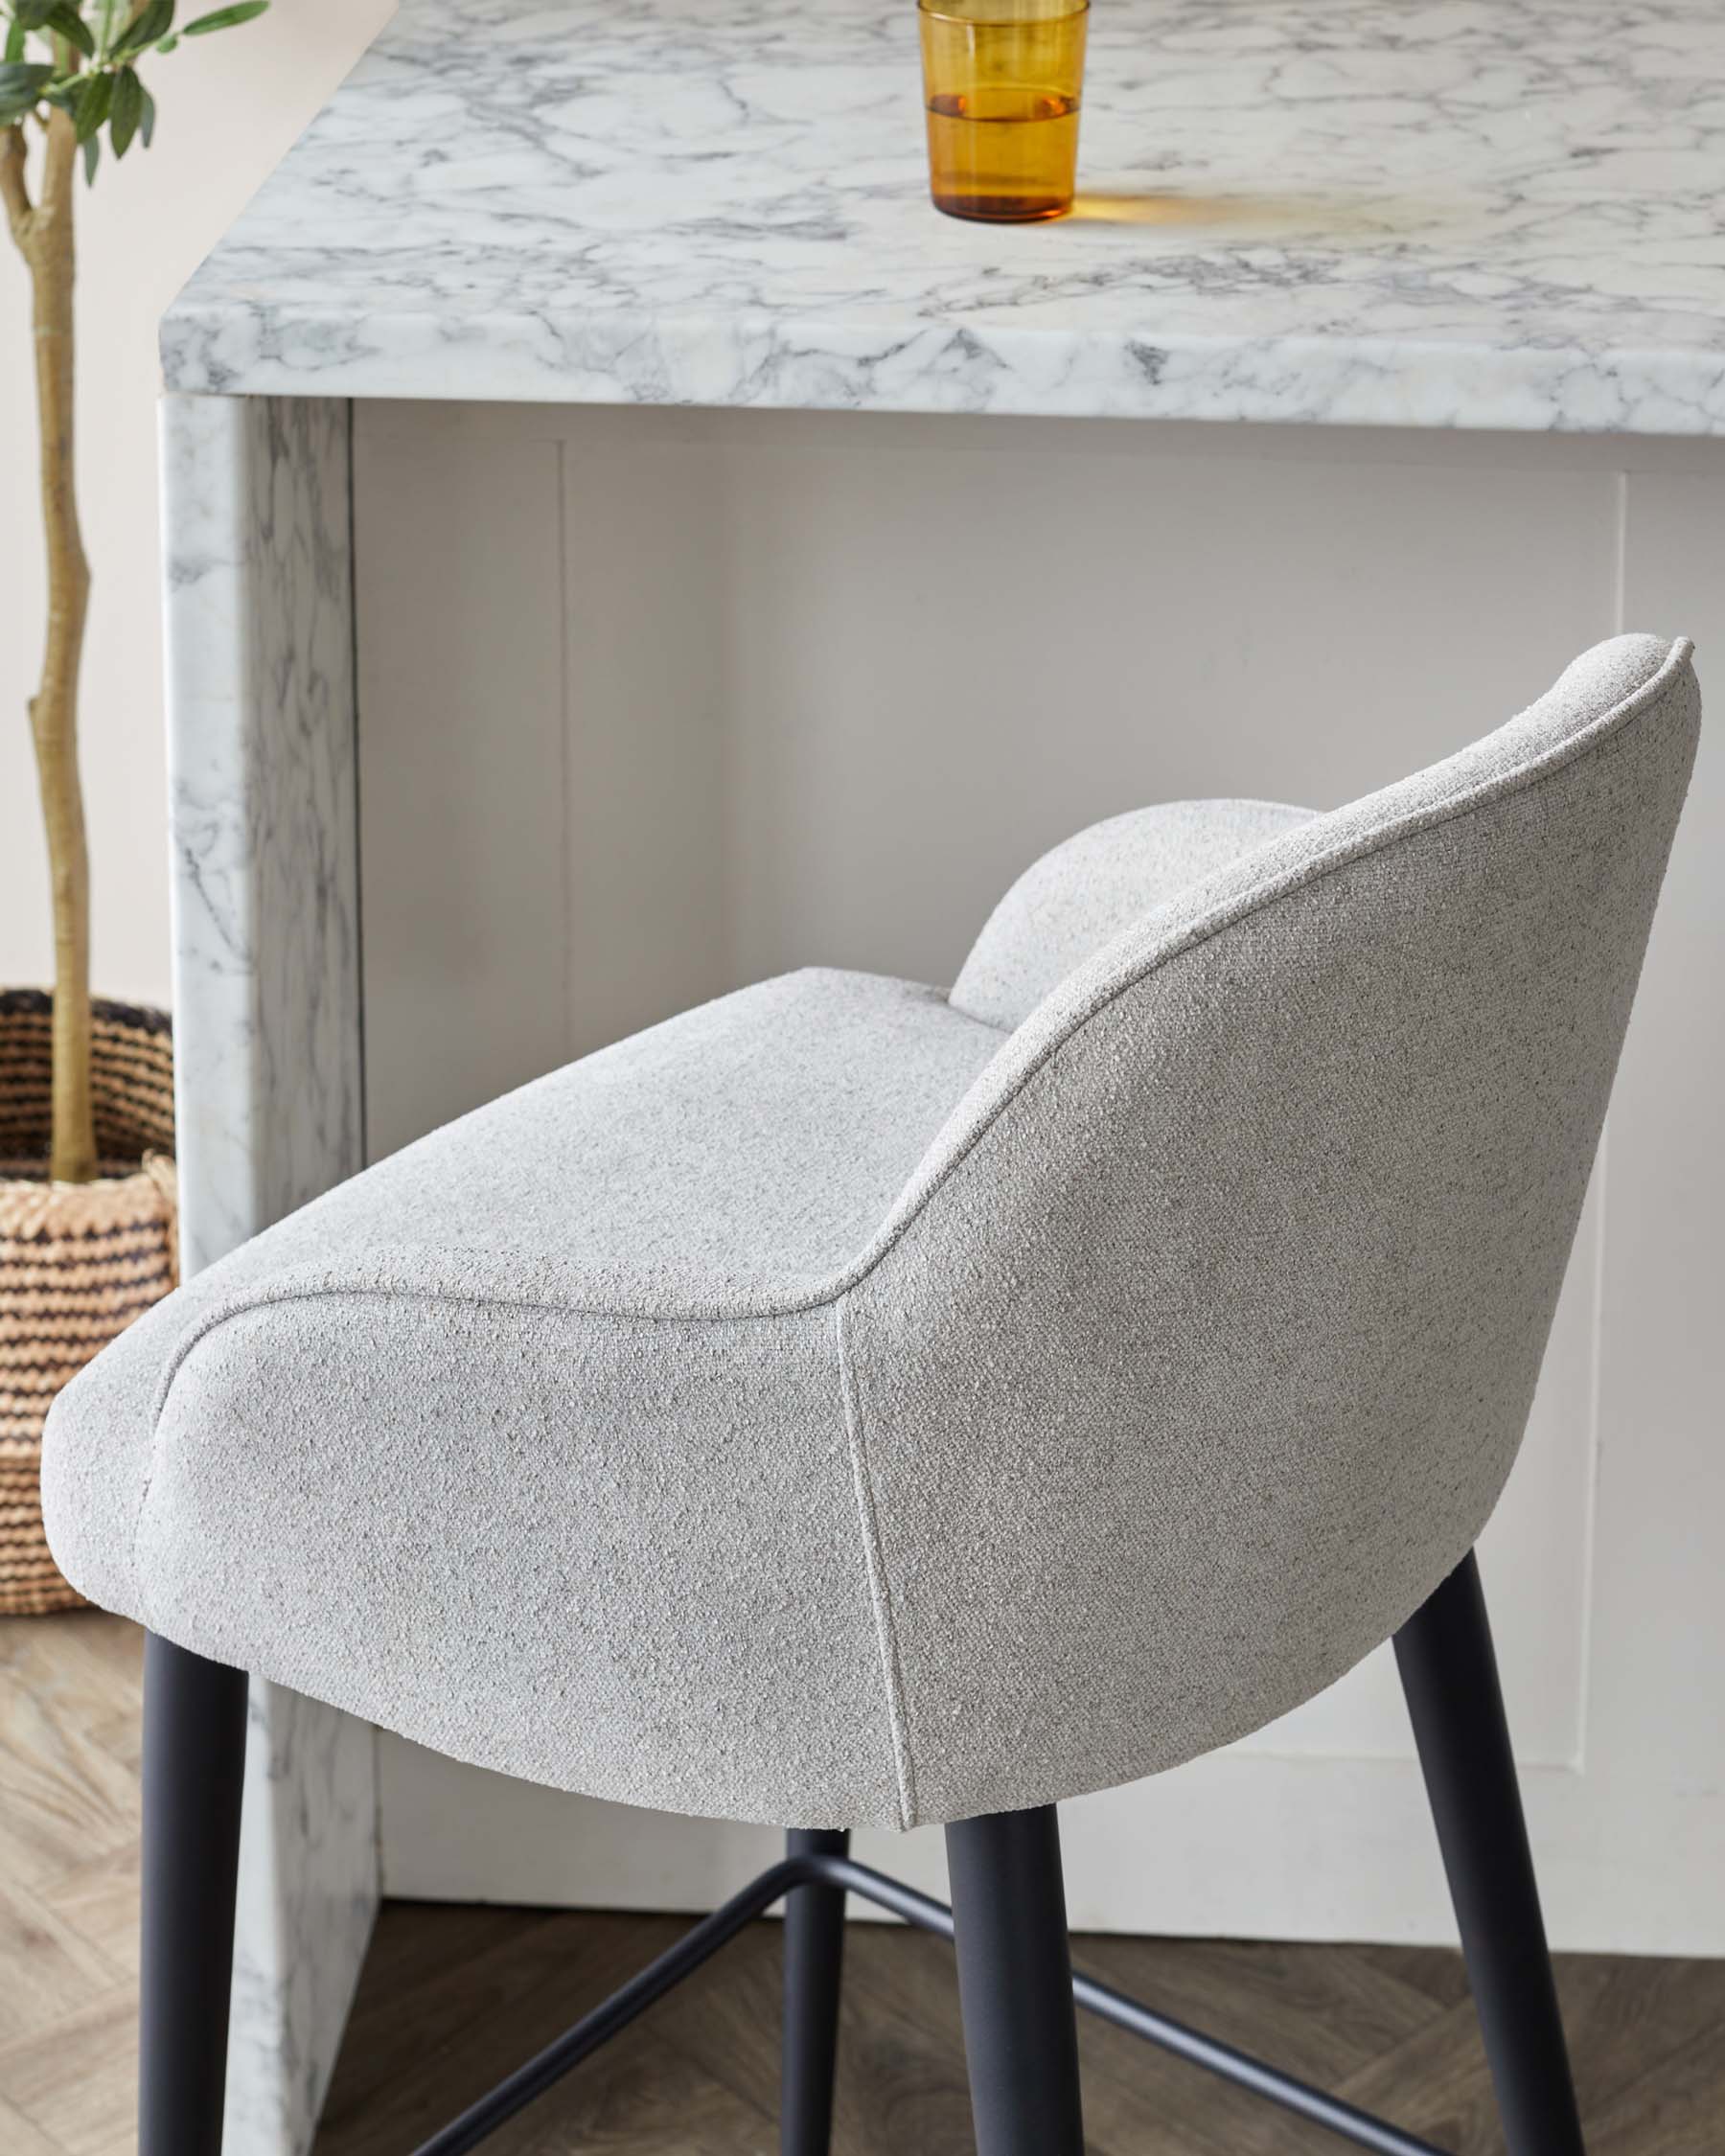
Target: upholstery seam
137 1533
891 1668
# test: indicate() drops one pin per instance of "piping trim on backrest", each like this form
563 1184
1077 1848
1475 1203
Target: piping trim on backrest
1023 1054
1096 986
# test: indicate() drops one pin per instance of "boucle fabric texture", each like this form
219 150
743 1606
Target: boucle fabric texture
1068 904
846 1406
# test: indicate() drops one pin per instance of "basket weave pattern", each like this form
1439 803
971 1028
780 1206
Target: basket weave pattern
78 1261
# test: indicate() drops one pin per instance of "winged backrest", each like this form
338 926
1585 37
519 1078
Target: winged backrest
1100 882
1206 1331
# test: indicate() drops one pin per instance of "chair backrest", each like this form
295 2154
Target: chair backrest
1206 1331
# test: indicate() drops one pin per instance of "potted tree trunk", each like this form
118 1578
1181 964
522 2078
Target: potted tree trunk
88 1226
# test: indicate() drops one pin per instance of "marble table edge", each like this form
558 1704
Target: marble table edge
819 363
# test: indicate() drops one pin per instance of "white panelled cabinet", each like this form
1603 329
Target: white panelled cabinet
721 694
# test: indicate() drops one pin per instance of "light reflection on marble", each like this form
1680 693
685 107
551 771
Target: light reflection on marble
267 1001
1300 210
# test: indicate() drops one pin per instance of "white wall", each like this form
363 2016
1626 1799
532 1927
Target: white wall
229 107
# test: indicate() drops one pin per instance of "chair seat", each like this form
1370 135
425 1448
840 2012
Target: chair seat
849 1404
729 1161
550 1400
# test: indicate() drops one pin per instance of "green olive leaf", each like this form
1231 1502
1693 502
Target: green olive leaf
65 21
94 105
128 111
153 21
22 82
225 18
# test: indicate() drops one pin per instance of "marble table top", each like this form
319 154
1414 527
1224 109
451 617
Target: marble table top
1428 213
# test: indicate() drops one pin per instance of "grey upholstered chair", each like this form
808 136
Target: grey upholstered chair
854 1403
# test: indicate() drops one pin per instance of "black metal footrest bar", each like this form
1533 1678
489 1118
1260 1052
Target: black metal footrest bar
705 1940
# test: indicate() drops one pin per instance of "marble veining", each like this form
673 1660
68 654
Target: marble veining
1450 214
263 782
267 1001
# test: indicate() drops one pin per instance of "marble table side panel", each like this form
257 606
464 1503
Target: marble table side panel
264 811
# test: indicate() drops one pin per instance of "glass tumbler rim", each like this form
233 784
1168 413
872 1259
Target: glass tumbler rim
945 14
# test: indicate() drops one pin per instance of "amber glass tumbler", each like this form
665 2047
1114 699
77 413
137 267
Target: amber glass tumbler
1001 81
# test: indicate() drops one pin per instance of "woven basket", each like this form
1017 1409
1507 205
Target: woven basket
78 1261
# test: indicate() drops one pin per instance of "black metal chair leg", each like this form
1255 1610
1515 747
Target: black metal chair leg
1014 1983
813 1959
1449 1674
193 1762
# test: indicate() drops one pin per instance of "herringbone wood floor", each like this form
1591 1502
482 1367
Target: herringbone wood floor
453 1998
